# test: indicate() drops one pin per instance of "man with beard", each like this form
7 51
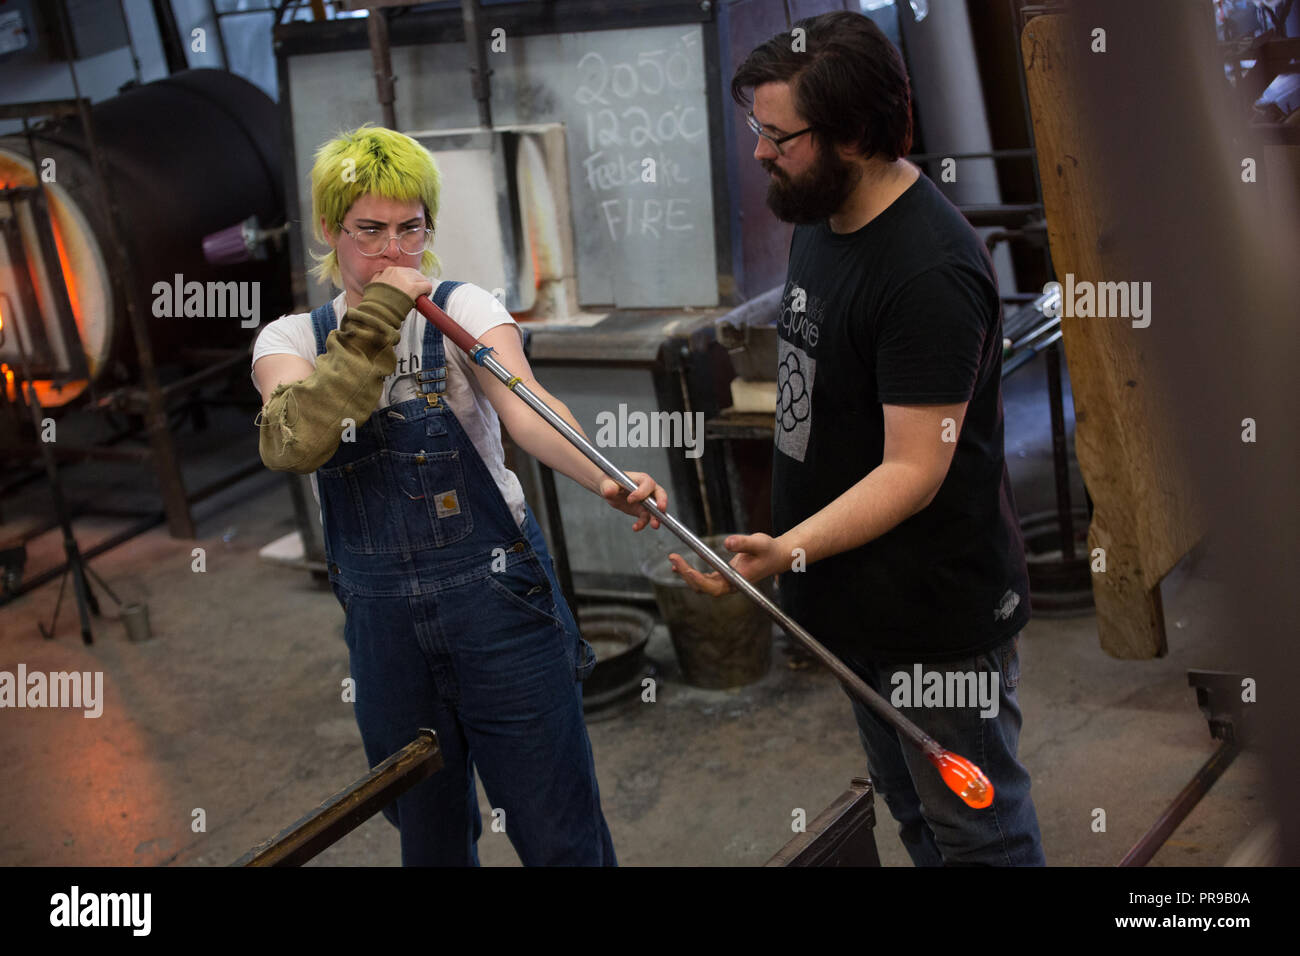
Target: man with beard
897 539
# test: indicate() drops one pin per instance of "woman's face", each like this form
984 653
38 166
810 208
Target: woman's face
373 212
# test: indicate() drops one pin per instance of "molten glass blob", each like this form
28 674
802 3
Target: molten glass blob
964 779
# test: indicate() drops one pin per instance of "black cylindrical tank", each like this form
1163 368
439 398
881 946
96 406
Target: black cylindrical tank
185 156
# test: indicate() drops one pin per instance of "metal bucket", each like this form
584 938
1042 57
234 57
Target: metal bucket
720 642
136 619
618 634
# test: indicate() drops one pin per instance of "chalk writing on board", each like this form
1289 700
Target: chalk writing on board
637 110
603 172
647 215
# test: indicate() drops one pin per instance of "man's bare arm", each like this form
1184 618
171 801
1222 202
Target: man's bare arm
919 445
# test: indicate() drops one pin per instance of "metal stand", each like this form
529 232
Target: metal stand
1218 695
86 602
842 835
350 807
559 545
1059 583
377 28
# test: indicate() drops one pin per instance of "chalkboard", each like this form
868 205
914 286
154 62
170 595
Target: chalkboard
637 121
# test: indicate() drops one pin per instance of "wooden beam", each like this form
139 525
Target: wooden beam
1144 519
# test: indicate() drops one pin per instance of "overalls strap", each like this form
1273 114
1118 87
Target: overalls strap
323 322
431 379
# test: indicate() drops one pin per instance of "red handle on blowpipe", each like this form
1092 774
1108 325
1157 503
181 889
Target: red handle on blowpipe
446 324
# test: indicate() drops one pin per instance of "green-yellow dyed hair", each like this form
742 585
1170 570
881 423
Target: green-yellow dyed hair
370 159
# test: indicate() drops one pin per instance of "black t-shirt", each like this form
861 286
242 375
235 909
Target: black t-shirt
904 311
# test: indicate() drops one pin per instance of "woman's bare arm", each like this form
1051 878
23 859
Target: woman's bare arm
272 370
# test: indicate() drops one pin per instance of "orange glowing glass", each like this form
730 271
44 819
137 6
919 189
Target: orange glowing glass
964 779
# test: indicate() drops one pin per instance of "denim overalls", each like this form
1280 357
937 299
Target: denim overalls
455 621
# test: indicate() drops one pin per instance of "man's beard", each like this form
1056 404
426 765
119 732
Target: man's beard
817 194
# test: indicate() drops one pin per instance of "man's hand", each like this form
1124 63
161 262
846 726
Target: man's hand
758 556
413 282
628 502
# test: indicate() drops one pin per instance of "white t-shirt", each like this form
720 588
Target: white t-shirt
475 310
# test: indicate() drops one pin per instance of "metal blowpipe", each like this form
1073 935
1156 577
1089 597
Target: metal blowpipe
962 777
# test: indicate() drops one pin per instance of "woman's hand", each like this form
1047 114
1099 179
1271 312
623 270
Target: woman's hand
758 556
628 502
411 281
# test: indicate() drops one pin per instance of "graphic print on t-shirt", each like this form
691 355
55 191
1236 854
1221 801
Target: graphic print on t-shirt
794 381
401 384
800 328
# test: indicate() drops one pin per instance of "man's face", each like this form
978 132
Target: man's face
807 184
371 211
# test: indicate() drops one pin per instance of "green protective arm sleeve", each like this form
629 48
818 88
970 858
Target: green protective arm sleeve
301 423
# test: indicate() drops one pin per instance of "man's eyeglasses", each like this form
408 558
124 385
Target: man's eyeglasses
373 241
776 141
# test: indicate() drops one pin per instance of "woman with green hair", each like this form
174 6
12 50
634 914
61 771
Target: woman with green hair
454 616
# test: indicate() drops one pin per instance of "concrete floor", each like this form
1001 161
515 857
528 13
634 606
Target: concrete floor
234 708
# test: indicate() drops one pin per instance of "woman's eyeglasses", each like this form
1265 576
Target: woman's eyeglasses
373 241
